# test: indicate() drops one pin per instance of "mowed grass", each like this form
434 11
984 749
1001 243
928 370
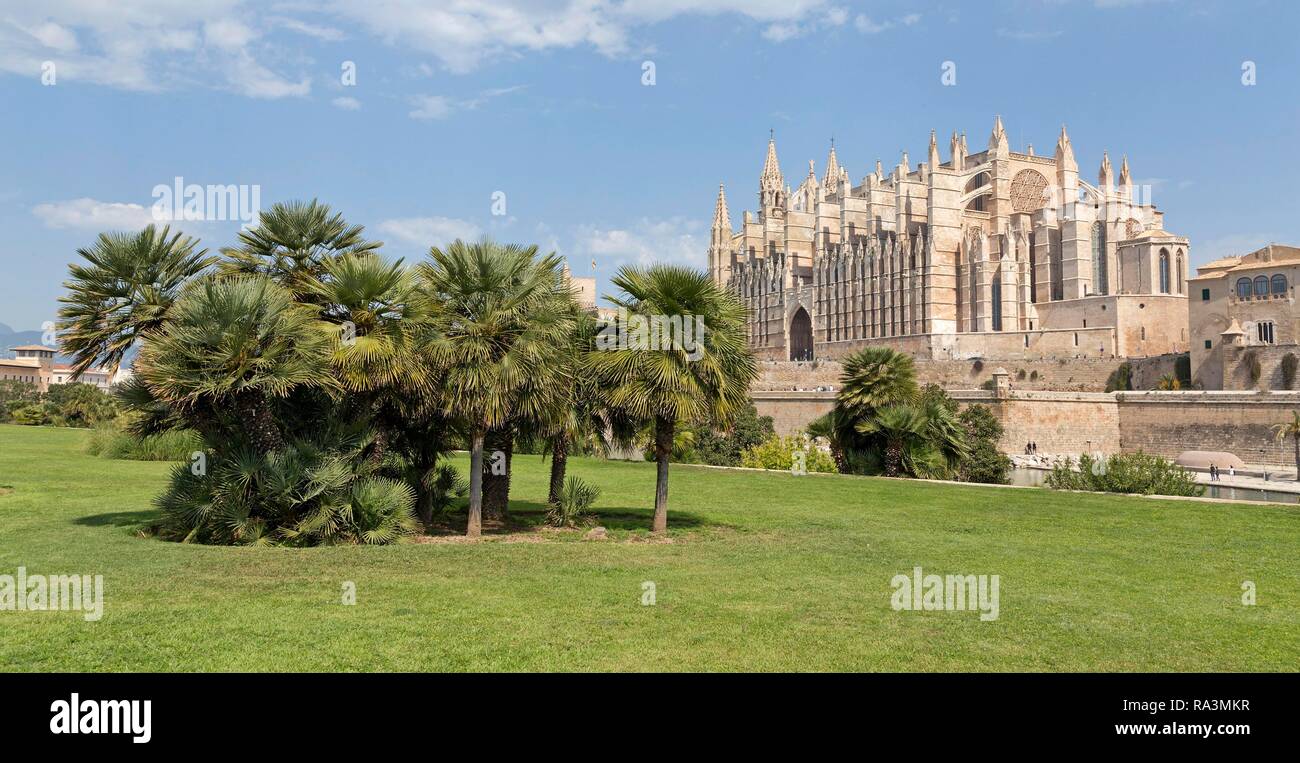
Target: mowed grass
761 572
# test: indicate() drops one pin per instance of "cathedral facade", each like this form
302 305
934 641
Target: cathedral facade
995 254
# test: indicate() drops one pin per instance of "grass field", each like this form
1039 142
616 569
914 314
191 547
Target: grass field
760 572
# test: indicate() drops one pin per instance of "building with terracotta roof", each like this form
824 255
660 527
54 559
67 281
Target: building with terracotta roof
35 365
1243 320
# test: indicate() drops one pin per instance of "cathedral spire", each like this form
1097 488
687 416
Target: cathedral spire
1105 176
1125 179
998 140
934 150
721 218
1065 152
832 179
771 177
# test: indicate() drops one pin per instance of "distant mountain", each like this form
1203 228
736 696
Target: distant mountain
10 338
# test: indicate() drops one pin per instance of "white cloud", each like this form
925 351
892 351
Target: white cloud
146 45
428 231
676 240
430 107
346 103
228 34
434 107
93 214
322 33
865 25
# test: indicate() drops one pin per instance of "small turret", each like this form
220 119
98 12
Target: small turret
998 139
832 179
1065 153
1105 176
721 218
770 184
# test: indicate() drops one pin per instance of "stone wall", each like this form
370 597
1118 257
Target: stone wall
1164 423
1236 367
1168 423
1058 422
1073 374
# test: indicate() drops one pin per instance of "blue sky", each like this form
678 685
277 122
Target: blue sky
544 102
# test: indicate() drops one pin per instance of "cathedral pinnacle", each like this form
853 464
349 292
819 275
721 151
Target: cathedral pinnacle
1065 152
721 219
832 178
934 150
998 140
771 177
1105 176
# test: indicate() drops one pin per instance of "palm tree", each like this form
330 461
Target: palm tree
1291 429
874 378
293 244
1169 382
581 415
500 335
123 292
902 428
686 381
230 348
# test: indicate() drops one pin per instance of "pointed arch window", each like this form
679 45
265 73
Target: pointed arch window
1099 258
997 300
1164 271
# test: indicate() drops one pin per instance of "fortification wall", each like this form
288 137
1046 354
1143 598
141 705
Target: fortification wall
1164 423
1069 375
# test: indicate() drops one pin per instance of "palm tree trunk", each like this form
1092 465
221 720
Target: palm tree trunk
474 525
496 487
263 430
559 462
893 459
663 449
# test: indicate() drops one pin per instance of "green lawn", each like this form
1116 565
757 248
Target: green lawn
762 572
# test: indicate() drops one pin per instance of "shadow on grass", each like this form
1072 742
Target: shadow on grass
131 519
530 516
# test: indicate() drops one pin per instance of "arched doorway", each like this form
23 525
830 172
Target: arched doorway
801 336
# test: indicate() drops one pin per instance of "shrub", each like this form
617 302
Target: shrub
778 453
986 463
574 506
15 394
117 442
1139 472
1121 379
300 495
723 448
